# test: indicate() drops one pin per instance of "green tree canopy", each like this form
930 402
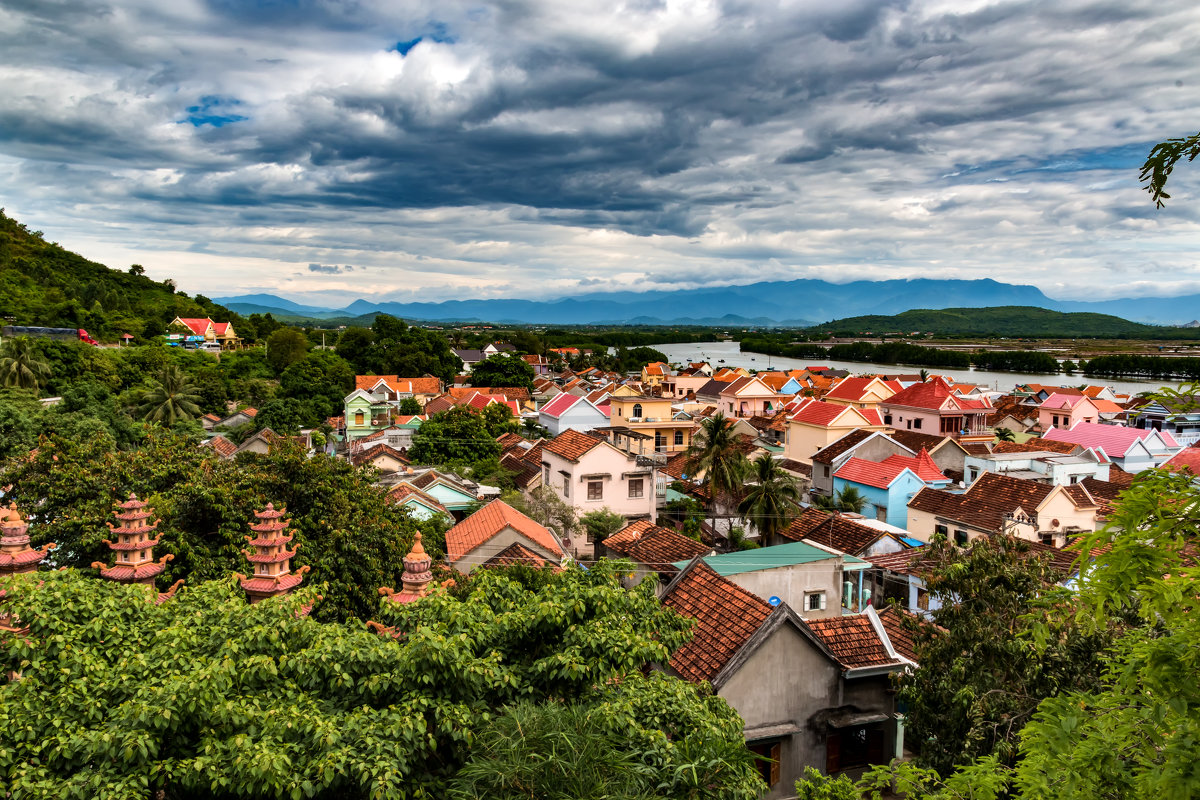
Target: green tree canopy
21 366
503 369
171 399
457 435
285 347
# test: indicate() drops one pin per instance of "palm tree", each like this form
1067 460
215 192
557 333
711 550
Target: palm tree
1005 435
924 375
715 453
172 400
20 365
848 499
771 501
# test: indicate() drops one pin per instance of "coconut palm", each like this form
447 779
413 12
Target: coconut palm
172 399
21 366
715 454
848 499
770 501
1005 435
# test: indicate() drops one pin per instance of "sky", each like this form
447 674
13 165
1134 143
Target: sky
325 151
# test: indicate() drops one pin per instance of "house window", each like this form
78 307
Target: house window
660 441
546 475
1047 538
595 490
635 488
941 531
850 748
637 409
825 471
917 424
974 473
678 438
766 760
358 418
566 486
814 601
960 538
887 419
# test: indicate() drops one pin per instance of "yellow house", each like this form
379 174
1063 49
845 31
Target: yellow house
816 425
654 374
221 332
995 503
649 419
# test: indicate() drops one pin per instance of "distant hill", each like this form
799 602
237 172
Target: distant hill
1007 321
771 303
42 283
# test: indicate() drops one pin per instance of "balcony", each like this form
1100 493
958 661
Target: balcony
653 460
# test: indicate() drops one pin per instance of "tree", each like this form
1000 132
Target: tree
21 366
410 406
457 434
206 690
285 347
356 345
545 508
714 452
601 524
981 677
322 379
772 499
1005 435
847 499
172 398
498 419
505 370
1161 162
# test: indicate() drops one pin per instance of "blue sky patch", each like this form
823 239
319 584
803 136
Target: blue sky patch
214 110
437 32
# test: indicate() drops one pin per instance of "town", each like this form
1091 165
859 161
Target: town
797 518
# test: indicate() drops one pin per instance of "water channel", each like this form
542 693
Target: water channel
728 354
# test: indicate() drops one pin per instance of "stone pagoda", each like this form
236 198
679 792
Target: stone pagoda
271 559
417 575
135 549
16 556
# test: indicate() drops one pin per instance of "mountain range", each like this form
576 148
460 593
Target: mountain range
798 303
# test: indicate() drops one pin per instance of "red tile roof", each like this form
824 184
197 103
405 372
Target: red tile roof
491 520
395 383
402 491
853 641
726 617
1187 458
222 446
988 499
832 530
904 562
571 444
516 554
197 325
883 474
655 546
900 634
818 413
933 395
560 404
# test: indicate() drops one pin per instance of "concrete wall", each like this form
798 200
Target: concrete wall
786 680
580 417
472 560
791 583
603 460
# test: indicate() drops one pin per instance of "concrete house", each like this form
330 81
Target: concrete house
888 485
852 534
931 407
1064 410
652 421
862 392
749 397
491 531
653 549
815 425
1037 512
1180 419
1131 449
419 504
810 693
1040 465
589 474
571 412
869 445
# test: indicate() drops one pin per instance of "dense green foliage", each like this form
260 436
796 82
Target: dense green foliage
348 533
1143 366
458 435
205 696
1161 162
902 353
981 676
998 321
43 284
503 370
772 499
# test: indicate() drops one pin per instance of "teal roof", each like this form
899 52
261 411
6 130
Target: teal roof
781 555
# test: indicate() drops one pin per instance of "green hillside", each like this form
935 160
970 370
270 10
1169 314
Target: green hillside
44 284
1011 321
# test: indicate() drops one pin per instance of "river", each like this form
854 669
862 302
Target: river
715 352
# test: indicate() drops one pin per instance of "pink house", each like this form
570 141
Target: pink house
931 407
1064 410
750 397
589 474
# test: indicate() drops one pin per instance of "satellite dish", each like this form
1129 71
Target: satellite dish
774 601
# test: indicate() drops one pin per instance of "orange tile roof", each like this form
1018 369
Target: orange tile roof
397 384
402 491
932 395
571 444
726 617
516 554
853 641
489 521
222 446
832 530
655 546
899 634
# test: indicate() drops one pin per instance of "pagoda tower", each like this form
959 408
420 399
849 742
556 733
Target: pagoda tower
133 546
271 559
16 556
417 575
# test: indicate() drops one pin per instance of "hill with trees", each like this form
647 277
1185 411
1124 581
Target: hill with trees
1007 321
42 283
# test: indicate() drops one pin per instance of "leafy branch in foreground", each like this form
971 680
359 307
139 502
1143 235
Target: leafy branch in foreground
1162 160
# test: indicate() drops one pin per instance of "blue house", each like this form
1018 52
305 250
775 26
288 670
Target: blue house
888 485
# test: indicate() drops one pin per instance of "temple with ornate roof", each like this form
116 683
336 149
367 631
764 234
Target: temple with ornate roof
135 562
271 559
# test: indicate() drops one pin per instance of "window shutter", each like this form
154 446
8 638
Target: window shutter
822 601
833 753
774 765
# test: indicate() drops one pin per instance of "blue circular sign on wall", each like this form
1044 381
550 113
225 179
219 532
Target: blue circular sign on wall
774 601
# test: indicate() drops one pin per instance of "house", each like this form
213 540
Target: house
1040 465
469 358
810 693
889 484
1186 459
491 530
589 474
238 418
710 392
571 412
219 332
809 579
419 504
816 424
1178 417
653 549
648 419
221 446
994 503
749 397
541 366
852 534
931 407
655 373
382 457
393 388
398 435
866 392
679 387
455 495
870 445
260 442
1132 449
1064 410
